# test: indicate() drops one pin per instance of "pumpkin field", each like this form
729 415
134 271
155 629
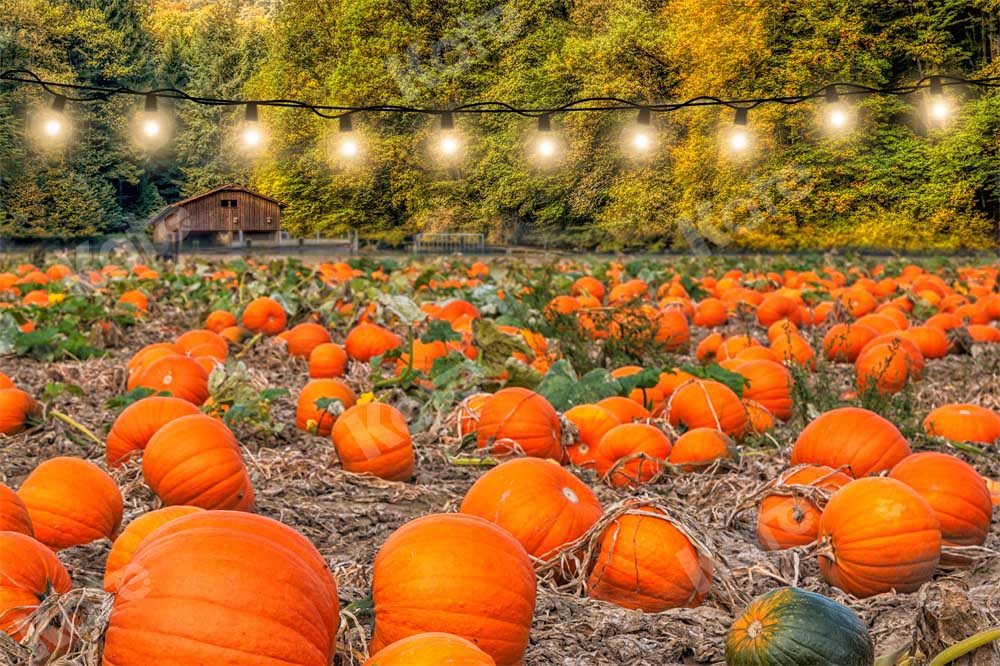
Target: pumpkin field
575 461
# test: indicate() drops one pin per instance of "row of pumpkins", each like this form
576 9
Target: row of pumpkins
214 563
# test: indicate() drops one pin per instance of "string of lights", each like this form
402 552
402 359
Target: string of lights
152 125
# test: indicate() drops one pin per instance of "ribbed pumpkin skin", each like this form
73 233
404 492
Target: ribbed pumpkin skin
181 376
954 490
14 515
30 572
793 627
327 361
886 367
374 439
431 649
625 441
308 417
264 315
219 320
458 574
786 522
202 342
770 385
71 502
524 417
592 423
880 535
138 422
365 341
645 562
625 409
843 342
964 423
707 404
222 587
133 534
541 504
305 337
851 436
16 407
469 412
699 448
196 461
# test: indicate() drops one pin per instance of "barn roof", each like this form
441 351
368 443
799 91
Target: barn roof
229 187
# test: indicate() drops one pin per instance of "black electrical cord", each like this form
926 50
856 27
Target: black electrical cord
89 94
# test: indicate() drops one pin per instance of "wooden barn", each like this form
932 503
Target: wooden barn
228 215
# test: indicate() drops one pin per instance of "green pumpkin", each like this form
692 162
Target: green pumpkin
792 627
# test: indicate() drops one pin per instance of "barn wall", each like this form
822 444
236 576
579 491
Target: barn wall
252 213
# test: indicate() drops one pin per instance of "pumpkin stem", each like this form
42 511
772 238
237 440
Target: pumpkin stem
249 345
963 648
70 421
466 461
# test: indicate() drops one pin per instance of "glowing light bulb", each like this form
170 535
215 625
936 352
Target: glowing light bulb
940 110
349 148
252 137
53 127
151 128
642 141
546 147
739 140
838 118
450 145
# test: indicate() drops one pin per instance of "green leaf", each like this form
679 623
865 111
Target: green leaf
519 374
716 372
122 401
439 330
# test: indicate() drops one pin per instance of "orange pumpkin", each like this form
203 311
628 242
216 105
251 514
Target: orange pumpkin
794 349
458 574
707 404
304 338
219 320
17 410
431 649
776 307
180 376
592 423
589 285
930 340
631 440
195 461
843 342
374 439
71 502
853 437
646 562
138 422
709 313
365 341
709 347
310 418
31 573
145 356
887 366
541 504
770 384
788 521
517 418
759 420
469 411
878 535
625 409
954 490
651 398
964 423
202 342
14 515
700 447
264 315
327 361
133 534
5 382
179 573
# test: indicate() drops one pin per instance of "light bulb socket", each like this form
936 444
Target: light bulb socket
831 95
447 120
58 103
936 86
645 117
545 123
151 106
345 124
251 113
741 117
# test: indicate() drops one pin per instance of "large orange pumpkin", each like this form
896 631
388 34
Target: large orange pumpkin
309 417
458 574
431 649
31 573
71 502
930 340
264 315
181 376
541 504
592 423
645 562
964 423
625 409
374 439
202 342
700 447
785 521
770 384
138 422
887 367
366 341
517 418
843 342
219 320
707 404
631 440
125 545
878 535
954 490
14 515
17 409
305 337
195 461
327 361
223 587
853 437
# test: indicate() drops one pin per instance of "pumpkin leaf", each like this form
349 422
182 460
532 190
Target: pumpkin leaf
715 372
403 307
563 389
643 379
53 390
9 330
120 402
520 374
439 330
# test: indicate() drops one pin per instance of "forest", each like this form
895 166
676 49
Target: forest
893 182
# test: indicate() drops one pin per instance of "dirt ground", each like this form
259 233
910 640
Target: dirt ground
348 517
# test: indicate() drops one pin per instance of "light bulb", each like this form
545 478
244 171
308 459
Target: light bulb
939 109
349 148
53 127
642 141
546 147
251 136
450 145
838 118
151 128
739 140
